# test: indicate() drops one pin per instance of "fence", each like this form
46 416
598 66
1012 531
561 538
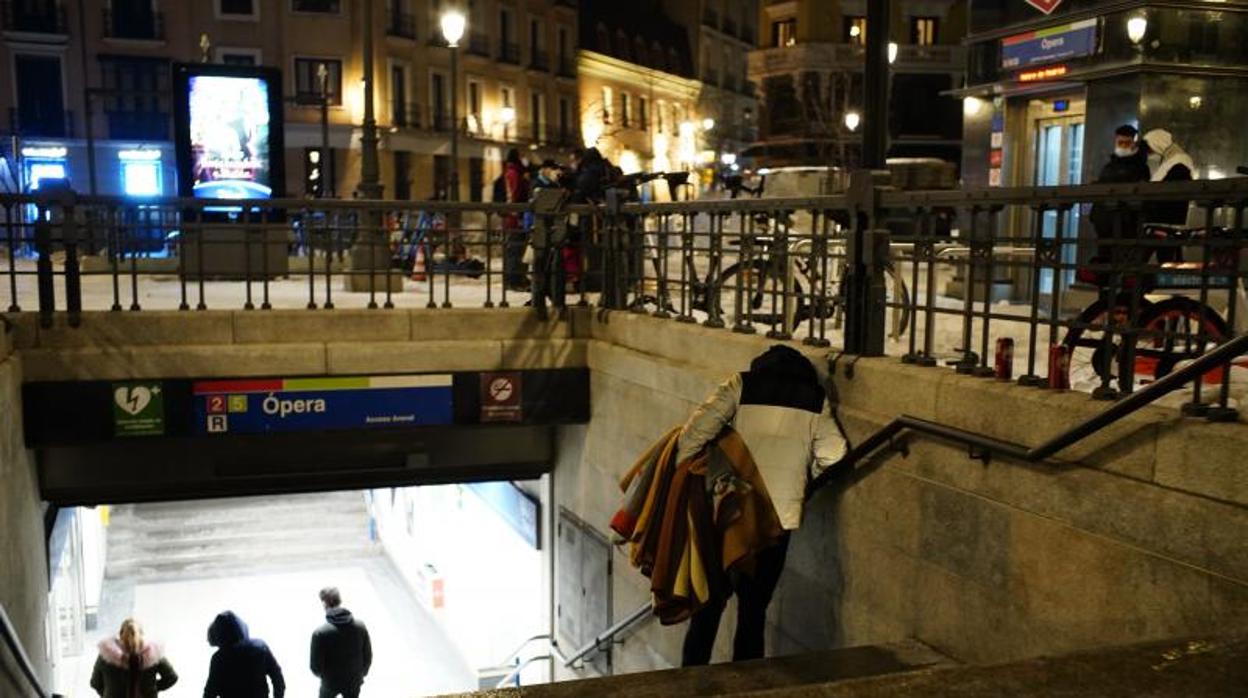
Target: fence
1016 284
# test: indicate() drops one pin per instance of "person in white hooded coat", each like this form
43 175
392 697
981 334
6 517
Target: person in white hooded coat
1168 163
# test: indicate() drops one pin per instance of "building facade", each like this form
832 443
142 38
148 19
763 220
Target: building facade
638 90
808 69
104 66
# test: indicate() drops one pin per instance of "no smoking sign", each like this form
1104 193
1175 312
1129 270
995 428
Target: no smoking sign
501 397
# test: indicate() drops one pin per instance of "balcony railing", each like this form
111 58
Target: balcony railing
509 52
404 114
138 125
51 124
479 44
539 60
401 24
149 26
567 67
46 18
730 26
837 57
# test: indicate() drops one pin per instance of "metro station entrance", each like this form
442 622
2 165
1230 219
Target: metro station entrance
1055 128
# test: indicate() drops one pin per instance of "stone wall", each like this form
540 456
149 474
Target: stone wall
1139 533
24 574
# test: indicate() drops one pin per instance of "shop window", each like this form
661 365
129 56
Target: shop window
308 81
923 30
856 30
784 33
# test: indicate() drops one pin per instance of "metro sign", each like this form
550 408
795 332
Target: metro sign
1045 6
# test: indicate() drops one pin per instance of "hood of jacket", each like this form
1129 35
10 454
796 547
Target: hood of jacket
339 617
784 363
113 654
1161 142
227 629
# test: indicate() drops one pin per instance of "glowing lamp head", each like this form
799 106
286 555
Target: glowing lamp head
708 123
729 159
1137 27
507 114
453 23
893 48
852 119
971 106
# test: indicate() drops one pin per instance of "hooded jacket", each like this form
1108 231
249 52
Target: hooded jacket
777 408
242 667
1175 166
341 650
114 675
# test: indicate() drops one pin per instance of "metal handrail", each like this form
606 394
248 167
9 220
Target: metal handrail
514 673
609 634
1219 356
19 653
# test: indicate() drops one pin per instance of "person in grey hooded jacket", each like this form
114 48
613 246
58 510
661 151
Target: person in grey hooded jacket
341 650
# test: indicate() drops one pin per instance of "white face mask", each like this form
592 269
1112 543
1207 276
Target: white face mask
1125 152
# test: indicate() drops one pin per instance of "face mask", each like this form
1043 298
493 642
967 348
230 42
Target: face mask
1125 152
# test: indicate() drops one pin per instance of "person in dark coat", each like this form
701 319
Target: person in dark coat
341 650
1127 164
591 177
516 185
242 666
130 667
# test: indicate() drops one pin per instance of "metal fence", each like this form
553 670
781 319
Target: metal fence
1053 287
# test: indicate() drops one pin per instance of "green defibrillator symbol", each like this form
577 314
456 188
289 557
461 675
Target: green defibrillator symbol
138 409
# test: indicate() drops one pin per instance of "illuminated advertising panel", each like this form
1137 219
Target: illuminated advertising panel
229 132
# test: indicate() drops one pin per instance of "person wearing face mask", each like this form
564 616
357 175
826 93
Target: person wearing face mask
1127 164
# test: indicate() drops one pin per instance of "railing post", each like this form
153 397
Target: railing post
73 277
43 267
866 257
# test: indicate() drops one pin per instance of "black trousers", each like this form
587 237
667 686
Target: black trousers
753 596
334 692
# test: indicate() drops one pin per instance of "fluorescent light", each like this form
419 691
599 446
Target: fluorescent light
144 154
45 152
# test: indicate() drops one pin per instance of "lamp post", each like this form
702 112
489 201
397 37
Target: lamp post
370 176
453 22
327 183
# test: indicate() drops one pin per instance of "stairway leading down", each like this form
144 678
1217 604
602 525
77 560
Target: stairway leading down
217 535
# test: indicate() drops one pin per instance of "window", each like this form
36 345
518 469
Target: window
608 96
322 6
402 174
563 45
565 119
474 106
658 116
308 81
641 113
535 36
923 31
508 97
133 108
784 33
476 179
438 102
238 56
626 110
240 8
140 172
398 97
537 116
856 30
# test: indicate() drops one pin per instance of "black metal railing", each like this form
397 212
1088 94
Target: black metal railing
149 25
41 18
138 125
40 123
21 658
509 52
1052 287
405 114
401 24
539 60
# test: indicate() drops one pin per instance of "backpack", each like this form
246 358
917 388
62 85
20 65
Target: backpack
500 190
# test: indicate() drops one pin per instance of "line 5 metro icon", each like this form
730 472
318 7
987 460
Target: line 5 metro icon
1045 6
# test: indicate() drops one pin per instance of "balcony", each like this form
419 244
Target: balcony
138 125
730 26
404 114
47 18
821 57
509 52
710 17
567 67
479 44
45 124
401 25
142 26
539 60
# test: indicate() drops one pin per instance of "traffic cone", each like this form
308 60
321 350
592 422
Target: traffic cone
418 263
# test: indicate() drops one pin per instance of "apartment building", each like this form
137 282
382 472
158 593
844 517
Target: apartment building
808 68
98 71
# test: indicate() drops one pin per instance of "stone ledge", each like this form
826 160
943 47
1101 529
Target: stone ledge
283 326
412 357
120 363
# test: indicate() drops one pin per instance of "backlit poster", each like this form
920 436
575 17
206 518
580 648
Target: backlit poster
229 132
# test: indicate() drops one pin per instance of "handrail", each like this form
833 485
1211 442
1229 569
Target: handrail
608 634
515 654
15 646
511 675
1223 354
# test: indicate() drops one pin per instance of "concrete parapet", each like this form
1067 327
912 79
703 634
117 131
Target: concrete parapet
285 326
197 361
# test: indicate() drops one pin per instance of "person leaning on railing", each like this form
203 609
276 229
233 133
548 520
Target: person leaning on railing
1168 163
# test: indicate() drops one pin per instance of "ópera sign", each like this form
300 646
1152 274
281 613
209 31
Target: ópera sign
1049 45
316 404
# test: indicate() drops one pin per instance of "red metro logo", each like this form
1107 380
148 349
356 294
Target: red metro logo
1045 6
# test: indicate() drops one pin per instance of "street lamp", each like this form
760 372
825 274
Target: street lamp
892 52
708 123
1137 27
453 23
852 119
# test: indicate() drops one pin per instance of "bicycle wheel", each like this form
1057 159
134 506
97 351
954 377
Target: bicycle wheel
897 316
1176 321
762 293
1090 360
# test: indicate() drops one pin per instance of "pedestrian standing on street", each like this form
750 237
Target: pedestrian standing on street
130 667
341 650
242 666
515 239
777 407
1115 224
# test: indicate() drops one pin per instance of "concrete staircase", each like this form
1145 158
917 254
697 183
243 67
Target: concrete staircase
188 539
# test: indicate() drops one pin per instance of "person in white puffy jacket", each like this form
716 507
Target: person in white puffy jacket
777 407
